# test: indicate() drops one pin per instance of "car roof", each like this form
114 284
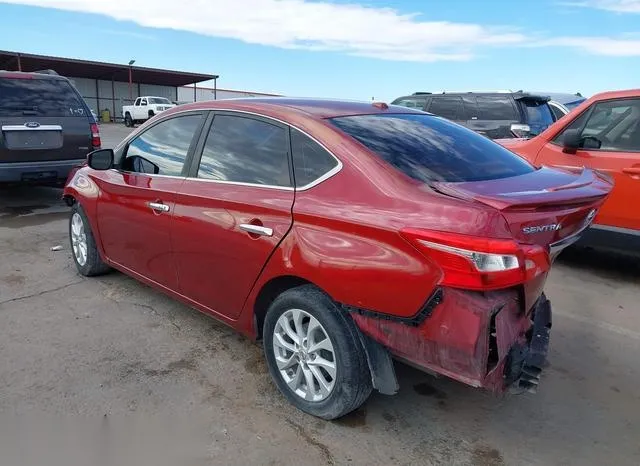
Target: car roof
45 74
516 94
317 108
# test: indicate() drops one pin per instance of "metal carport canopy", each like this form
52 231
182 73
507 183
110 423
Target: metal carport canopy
15 61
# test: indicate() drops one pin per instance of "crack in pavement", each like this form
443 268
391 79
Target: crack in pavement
40 293
312 441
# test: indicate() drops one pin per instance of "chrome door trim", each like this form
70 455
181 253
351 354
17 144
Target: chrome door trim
158 206
256 229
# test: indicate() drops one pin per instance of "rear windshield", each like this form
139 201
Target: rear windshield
38 97
429 148
158 100
539 116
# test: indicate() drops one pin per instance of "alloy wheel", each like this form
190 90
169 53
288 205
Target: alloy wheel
304 355
78 239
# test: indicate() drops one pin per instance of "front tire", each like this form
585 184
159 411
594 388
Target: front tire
314 353
83 245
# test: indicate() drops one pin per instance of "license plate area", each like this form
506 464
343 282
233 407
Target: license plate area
32 139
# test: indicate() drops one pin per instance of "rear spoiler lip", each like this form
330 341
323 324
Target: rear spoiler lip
534 97
517 200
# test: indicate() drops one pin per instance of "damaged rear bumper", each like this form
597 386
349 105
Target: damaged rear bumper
481 339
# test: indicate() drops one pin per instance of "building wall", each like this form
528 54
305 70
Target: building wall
112 95
185 94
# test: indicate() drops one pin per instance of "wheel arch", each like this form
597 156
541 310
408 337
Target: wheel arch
269 292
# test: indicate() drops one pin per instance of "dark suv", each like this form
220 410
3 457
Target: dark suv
497 115
46 128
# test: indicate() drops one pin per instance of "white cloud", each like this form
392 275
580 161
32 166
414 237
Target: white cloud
619 6
607 46
302 24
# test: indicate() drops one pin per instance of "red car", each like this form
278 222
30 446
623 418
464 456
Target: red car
341 234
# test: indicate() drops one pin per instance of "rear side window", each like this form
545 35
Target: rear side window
432 149
310 160
447 107
245 150
539 115
39 97
495 108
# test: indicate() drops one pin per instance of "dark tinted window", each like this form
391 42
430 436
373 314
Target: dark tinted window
310 159
247 151
159 100
432 149
39 97
165 145
539 115
447 107
612 126
495 108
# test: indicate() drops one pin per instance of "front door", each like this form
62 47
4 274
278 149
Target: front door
137 201
610 134
233 211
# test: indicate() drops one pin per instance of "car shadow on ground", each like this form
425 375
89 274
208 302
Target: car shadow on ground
607 264
22 206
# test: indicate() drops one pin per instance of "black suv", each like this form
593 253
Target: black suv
46 128
497 115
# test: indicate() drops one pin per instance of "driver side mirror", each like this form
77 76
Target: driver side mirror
571 141
101 159
143 103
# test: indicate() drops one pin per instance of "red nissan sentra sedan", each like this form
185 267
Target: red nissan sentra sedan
343 235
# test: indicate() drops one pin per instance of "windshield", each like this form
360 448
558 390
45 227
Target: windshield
428 148
539 116
38 97
159 100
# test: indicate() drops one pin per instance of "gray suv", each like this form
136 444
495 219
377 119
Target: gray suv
497 115
46 128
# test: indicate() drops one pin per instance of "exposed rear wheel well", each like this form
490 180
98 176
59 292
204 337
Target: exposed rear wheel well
69 199
270 291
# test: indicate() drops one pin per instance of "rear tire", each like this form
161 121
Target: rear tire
151 114
317 346
128 121
83 245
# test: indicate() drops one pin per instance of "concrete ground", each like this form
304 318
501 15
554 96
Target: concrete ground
110 348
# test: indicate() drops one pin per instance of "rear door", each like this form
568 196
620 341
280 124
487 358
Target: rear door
137 201
42 119
233 210
611 143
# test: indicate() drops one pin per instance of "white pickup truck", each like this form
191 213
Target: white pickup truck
144 108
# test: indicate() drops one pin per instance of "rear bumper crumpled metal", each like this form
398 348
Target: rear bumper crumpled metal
481 339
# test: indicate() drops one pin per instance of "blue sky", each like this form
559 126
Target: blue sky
355 49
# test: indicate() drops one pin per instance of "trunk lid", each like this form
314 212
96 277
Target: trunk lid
548 207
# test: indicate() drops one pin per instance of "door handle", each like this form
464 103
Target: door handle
158 206
631 171
256 229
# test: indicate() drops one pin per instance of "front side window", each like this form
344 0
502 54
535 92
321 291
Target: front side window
163 148
447 107
611 126
495 108
245 150
310 160
430 149
38 97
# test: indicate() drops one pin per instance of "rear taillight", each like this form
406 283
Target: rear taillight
95 136
476 263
